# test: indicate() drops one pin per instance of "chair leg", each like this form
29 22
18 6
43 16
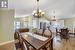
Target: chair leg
44 48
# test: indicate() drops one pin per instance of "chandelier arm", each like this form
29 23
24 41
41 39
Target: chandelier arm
37 0
38 13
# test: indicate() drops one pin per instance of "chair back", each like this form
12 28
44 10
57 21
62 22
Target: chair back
47 33
16 34
40 31
18 40
64 33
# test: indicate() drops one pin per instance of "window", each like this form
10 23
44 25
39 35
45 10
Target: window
16 25
4 4
34 24
25 24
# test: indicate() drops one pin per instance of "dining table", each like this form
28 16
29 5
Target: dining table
36 41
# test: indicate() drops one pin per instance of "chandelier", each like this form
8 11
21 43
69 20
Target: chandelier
38 13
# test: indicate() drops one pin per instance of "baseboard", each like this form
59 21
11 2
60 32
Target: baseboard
6 42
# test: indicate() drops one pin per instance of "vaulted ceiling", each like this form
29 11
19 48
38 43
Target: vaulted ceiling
62 8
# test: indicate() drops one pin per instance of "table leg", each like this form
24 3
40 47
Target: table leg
51 45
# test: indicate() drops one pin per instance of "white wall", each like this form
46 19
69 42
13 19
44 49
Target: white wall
56 24
69 22
6 25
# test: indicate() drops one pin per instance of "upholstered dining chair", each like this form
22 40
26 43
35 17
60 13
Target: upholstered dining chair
18 41
17 38
26 46
40 31
19 44
49 46
64 34
47 33
16 34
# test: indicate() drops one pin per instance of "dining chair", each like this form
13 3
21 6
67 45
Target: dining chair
16 35
50 44
64 34
47 33
18 44
26 46
40 32
18 40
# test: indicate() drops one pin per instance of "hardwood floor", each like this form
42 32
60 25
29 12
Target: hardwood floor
63 44
58 44
9 46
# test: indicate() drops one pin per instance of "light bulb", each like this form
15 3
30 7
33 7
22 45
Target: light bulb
35 14
40 10
34 11
43 12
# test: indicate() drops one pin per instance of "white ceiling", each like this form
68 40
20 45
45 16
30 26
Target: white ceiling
63 8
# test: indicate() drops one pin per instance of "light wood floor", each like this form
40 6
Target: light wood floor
63 44
9 46
58 44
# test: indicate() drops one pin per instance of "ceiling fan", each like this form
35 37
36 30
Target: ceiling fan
54 18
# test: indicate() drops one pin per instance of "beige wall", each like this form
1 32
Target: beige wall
69 23
6 25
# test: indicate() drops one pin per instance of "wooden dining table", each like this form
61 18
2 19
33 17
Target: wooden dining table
36 41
